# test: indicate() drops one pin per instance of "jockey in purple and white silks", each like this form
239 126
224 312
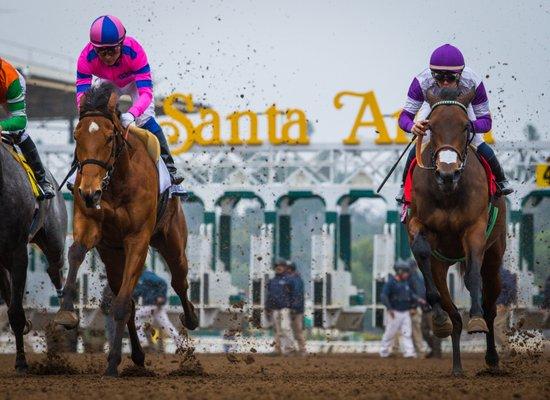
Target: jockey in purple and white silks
119 59
447 69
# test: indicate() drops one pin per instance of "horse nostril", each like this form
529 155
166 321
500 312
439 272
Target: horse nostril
97 195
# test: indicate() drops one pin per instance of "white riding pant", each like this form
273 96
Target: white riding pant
157 317
401 322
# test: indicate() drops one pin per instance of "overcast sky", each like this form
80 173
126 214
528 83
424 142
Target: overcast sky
299 54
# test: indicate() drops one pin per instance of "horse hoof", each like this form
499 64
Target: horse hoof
22 369
191 322
442 325
68 319
110 372
139 359
458 373
28 327
477 325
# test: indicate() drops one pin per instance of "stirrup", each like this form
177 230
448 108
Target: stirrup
48 191
176 178
504 189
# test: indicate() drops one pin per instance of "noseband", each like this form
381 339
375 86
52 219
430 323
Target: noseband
462 155
116 149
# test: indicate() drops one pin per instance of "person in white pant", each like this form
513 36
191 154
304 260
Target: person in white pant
152 290
399 299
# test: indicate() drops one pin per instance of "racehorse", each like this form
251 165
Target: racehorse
450 222
19 226
115 211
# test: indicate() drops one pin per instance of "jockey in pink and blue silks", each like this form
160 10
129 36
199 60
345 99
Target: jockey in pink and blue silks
119 59
447 69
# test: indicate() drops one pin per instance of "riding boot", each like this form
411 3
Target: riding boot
175 177
30 152
489 155
401 195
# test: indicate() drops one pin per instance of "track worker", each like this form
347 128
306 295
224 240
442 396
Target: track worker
152 290
399 299
447 70
119 59
297 306
277 306
12 99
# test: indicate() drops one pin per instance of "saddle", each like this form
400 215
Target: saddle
149 140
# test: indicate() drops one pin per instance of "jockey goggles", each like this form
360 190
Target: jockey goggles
107 50
448 76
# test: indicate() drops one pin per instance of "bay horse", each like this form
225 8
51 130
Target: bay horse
449 219
115 211
48 232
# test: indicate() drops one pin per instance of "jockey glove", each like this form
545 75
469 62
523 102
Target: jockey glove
127 119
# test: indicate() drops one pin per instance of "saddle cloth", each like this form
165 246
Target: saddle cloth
30 174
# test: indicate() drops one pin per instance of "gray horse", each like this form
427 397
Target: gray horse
17 208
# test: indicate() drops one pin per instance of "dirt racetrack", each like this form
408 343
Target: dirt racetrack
239 376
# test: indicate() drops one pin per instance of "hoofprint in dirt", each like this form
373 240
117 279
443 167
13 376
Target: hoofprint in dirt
312 377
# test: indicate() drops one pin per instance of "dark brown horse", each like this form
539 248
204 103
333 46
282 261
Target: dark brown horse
449 220
115 211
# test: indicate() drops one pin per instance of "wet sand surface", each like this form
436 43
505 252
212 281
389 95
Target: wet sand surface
251 376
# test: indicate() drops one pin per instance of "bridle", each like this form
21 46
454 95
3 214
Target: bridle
462 155
116 149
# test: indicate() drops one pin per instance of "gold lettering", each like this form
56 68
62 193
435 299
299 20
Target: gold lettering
271 113
234 118
489 138
173 112
301 122
214 122
377 122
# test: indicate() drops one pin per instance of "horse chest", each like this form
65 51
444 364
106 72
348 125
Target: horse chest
443 222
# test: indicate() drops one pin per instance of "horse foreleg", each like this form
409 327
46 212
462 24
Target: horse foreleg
135 248
491 290
474 246
138 356
440 276
422 252
86 236
5 290
16 313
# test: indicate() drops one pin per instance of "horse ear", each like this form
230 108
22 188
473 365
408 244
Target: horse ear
81 103
432 95
113 99
466 96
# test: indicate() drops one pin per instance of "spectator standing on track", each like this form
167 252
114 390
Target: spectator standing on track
416 282
297 306
152 289
399 299
507 297
277 306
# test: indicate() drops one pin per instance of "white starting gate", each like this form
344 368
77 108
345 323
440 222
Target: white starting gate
211 290
332 288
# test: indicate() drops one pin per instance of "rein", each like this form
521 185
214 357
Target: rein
462 156
116 149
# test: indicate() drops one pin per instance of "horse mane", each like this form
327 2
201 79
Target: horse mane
97 98
448 93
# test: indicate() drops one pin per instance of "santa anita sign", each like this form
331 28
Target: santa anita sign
244 125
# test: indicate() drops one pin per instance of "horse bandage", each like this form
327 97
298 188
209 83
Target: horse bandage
447 156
